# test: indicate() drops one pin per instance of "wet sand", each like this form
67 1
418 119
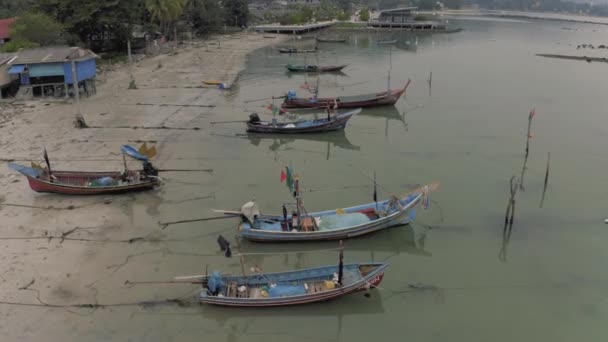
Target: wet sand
83 270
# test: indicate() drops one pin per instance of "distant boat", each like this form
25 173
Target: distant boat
333 123
330 40
295 50
387 42
304 286
384 98
314 68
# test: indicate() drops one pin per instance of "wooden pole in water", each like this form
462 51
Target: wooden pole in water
75 87
341 264
241 259
430 82
528 136
542 200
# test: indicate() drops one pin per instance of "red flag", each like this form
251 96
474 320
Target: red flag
532 113
283 176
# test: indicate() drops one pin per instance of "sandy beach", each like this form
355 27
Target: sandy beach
80 268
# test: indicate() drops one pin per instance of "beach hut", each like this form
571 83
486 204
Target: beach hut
49 71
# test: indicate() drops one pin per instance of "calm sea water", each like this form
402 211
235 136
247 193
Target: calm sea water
468 132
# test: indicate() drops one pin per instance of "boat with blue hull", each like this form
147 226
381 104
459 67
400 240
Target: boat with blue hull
336 224
293 287
332 224
331 123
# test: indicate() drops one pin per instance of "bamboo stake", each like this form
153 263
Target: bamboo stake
542 200
241 258
164 225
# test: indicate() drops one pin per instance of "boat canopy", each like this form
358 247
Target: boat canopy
250 210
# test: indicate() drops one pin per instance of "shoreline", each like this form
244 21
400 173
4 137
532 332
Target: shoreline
88 270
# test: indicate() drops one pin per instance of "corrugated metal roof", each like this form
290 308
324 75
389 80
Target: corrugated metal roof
53 55
5 27
400 9
6 58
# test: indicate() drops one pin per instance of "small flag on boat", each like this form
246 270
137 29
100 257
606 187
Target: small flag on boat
425 197
149 152
532 113
375 190
287 176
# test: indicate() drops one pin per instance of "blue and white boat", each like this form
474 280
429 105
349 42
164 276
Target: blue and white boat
291 288
333 224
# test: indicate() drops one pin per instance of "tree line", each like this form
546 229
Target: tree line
82 22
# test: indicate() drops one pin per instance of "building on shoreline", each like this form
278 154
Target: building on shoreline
45 72
403 18
5 29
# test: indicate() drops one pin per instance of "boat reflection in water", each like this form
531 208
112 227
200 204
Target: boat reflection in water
377 246
237 322
281 142
389 113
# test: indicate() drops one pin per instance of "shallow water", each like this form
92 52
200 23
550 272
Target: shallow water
468 132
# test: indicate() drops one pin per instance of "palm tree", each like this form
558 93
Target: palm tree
165 11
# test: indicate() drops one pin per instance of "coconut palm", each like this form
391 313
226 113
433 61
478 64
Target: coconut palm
165 11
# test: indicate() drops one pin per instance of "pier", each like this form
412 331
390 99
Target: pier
293 29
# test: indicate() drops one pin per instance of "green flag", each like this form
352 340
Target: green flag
289 179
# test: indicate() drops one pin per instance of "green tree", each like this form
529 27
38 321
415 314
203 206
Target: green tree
12 8
364 14
236 12
17 44
166 12
307 13
327 10
38 28
96 20
204 15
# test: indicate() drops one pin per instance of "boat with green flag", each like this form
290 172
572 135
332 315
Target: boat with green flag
297 224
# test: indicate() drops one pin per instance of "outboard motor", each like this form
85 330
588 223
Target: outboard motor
149 169
291 94
254 118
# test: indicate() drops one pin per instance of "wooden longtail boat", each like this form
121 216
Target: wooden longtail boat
314 68
384 98
330 224
293 287
333 123
295 50
330 40
91 183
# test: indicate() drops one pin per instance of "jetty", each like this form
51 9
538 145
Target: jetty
293 29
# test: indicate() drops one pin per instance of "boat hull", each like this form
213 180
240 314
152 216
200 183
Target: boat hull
40 185
329 40
314 68
308 126
387 98
369 281
401 217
